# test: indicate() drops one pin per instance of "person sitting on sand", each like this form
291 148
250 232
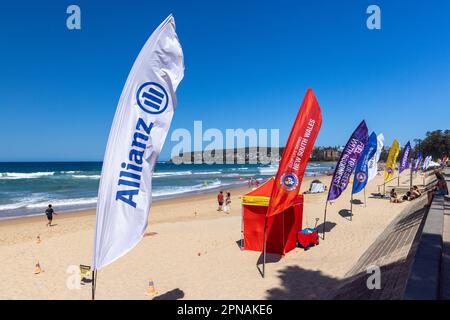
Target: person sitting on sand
416 192
394 197
408 196
220 200
439 190
49 213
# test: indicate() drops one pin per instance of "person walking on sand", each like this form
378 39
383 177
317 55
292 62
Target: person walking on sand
220 200
227 207
49 213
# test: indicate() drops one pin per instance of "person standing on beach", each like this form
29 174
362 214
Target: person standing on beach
49 213
220 200
227 207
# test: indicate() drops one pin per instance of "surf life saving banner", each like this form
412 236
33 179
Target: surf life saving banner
418 161
296 155
404 159
373 162
140 126
347 163
392 161
362 167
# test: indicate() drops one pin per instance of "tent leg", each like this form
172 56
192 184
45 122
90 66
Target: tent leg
264 255
242 227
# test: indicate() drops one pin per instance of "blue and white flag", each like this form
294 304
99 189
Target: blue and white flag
140 126
373 162
426 163
418 161
362 167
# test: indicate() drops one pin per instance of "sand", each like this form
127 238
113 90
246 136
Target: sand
194 253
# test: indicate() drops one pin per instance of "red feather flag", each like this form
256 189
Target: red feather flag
296 155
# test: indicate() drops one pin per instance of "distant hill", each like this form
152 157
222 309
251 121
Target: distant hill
261 155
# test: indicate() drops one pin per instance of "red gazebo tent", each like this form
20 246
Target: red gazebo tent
282 228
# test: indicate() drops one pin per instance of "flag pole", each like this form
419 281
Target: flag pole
264 250
411 177
351 208
324 220
94 283
365 198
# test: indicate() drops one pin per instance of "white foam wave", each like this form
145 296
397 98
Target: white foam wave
22 175
267 170
12 206
171 173
186 189
208 172
84 176
41 203
64 202
231 175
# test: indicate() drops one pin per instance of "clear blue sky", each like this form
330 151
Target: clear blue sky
248 65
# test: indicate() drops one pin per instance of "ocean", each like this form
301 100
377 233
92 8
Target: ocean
26 188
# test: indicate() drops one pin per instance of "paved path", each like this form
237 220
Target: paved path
445 260
393 252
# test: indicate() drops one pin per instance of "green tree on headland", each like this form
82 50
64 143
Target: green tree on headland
436 144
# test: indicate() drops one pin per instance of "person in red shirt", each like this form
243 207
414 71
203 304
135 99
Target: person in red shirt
220 200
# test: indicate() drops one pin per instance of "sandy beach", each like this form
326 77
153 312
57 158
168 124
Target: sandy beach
194 253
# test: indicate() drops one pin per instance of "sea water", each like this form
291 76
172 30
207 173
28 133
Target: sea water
26 188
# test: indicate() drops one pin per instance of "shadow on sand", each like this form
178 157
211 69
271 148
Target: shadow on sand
174 294
328 226
299 283
378 196
345 213
270 258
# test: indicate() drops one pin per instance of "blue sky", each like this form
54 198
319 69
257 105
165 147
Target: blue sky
248 65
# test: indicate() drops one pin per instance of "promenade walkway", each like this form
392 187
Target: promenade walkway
445 262
393 252
429 278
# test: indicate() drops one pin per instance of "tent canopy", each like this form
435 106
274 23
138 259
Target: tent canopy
259 196
282 228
